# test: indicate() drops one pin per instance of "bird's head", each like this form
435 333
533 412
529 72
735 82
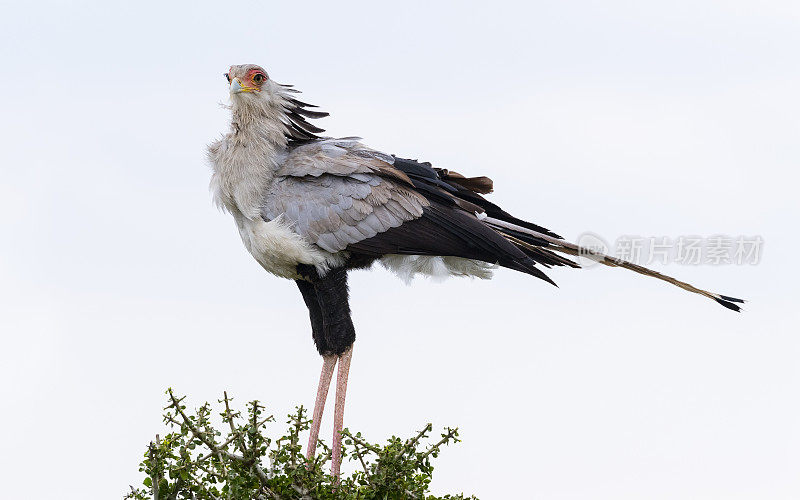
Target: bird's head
247 79
257 99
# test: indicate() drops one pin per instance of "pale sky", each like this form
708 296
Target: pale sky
118 278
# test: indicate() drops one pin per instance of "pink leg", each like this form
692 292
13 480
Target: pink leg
338 413
328 364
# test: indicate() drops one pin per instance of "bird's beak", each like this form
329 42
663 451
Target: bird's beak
237 87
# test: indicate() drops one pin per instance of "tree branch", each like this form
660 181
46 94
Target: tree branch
229 417
361 459
211 445
373 449
154 464
421 434
451 434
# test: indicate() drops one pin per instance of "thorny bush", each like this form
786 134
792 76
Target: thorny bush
196 460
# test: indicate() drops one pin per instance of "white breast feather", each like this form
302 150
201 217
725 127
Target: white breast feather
279 249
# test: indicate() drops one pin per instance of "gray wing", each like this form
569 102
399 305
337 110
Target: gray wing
337 192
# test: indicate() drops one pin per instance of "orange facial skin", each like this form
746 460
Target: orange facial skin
253 80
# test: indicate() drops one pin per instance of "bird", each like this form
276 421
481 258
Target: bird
312 208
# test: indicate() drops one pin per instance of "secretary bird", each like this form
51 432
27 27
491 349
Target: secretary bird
312 208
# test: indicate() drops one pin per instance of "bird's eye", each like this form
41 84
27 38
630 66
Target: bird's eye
259 78
227 77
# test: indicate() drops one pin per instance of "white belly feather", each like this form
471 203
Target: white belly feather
406 267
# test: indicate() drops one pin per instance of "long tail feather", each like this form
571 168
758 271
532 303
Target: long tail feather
559 245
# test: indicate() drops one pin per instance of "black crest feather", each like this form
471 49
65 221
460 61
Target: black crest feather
297 127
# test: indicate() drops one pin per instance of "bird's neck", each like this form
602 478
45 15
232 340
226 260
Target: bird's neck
260 120
245 161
